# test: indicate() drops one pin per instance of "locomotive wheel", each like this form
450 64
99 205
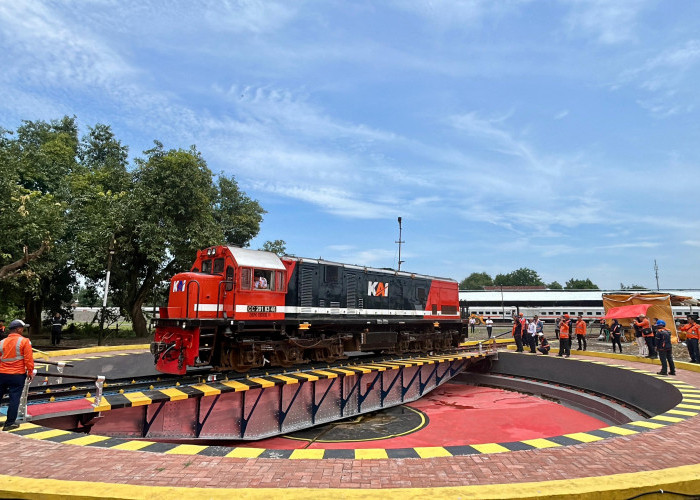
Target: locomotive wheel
242 359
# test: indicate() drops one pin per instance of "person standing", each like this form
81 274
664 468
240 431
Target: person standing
2 329
564 345
532 335
642 346
518 335
16 365
692 337
489 327
56 326
581 332
664 348
647 334
616 334
472 324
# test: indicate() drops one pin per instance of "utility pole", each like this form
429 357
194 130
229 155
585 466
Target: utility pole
100 337
400 242
656 272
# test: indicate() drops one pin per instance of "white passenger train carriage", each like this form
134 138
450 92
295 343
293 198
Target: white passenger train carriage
550 313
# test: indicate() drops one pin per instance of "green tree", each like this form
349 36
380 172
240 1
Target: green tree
278 246
35 166
476 281
555 285
575 284
632 287
519 277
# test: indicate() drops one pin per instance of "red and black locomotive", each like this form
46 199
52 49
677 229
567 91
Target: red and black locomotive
239 309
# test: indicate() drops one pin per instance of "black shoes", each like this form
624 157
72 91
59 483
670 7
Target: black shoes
10 427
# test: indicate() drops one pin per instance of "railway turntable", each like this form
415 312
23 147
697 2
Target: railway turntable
613 430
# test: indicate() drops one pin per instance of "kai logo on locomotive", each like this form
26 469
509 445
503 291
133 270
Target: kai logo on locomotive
179 285
377 289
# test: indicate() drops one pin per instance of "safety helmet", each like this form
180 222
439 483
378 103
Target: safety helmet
566 316
660 322
521 314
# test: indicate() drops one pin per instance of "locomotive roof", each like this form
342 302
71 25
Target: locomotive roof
392 272
256 258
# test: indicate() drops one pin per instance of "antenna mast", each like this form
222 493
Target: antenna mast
400 242
656 272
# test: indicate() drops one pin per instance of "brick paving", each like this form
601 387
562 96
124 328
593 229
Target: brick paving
670 446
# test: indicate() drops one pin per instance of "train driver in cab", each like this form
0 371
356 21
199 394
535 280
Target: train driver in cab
261 282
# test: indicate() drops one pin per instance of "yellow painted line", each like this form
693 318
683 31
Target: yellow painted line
647 424
286 380
583 437
264 382
369 369
324 374
86 440
541 443
389 366
132 445
343 370
185 449
245 452
370 453
432 452
690 407
174 394
47 434
307 376
236 386
691 401
207 390
619 430
489 448
311 454
682 412
667 419
137 398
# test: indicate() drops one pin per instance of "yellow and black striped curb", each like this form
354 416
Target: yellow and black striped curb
689 407
127 399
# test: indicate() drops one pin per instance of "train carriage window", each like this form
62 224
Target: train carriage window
264 279
218 266
246 278
206 266
280 281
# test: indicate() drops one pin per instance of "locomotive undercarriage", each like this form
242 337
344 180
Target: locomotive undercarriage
288 345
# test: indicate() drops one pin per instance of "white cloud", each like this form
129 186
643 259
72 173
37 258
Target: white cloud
607 22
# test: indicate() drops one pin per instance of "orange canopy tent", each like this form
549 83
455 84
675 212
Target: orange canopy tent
658 306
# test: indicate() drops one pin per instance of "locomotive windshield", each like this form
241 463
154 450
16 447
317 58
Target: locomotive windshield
206 266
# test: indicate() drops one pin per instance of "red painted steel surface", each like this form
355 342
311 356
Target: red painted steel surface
463 415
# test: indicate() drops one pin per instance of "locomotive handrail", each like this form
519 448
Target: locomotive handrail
187 300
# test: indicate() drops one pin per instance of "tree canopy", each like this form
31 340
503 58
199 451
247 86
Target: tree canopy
64 200
576 284
476 281
519 277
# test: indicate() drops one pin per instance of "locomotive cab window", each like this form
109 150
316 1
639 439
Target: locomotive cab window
206 266
229 278
218 266
263 279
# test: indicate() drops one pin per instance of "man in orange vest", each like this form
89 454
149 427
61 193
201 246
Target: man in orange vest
692 336
642 322
518 334
564 345
16 364
581 332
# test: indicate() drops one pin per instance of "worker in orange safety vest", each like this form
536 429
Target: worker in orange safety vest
581 332
642 322
692 337
16 365
564 345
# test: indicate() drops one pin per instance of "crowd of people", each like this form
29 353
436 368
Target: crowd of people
653 338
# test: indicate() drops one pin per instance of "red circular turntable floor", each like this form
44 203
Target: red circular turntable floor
456 414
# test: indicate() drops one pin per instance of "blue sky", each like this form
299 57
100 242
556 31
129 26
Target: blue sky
556 135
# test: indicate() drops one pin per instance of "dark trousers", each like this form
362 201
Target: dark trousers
473 325
12 384
693 350
55 336
543 350
518 343
665 356
580 338
489 329
650 345
533 343
564 346
616 340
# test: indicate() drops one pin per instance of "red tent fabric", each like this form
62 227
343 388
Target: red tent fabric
627 311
